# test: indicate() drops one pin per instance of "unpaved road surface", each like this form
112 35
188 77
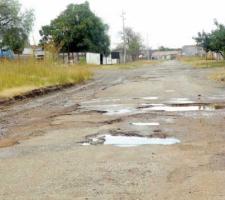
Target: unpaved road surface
49 160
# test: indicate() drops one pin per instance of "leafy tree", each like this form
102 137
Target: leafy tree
217 43
204 40
162 48
15 25
133 42
77 29
9 11
214 41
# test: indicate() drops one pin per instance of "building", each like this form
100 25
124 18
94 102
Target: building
165 55
192 50
100 59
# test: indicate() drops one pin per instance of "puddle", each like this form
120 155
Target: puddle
181 107
181 100
146 124
130 141
119 112
150 98
94 101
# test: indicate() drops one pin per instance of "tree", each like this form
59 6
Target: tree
217 43
214 41
77 29
133 42
15 25
9 11
204 40
162 48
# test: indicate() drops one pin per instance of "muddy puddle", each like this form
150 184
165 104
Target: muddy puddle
120 111
181 100
145 124
113 110
129 141
150 98
181 107
174 105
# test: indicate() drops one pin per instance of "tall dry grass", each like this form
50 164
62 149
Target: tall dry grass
202 62
21 76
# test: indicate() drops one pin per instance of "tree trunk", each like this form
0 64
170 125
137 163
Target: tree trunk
222 54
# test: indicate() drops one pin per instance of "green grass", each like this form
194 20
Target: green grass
17 77
202 62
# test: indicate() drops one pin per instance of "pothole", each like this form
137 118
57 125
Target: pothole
181 107
150 98
119 111
130 140
145 124
181 100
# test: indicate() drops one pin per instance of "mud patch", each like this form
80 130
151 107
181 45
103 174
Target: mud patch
113 121
8 142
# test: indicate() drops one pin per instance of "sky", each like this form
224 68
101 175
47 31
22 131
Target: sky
169 23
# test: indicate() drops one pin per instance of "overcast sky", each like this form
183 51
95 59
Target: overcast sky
171 23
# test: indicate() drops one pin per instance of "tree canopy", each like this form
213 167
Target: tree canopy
133 42
213 41
15 25
77 29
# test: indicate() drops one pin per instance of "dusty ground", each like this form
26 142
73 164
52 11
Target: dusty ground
49 162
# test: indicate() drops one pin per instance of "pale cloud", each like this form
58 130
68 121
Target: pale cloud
170 23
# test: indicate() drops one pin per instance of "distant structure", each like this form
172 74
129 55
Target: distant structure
7 53
192 50
100 59
165 55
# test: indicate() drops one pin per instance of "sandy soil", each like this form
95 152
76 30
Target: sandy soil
43 157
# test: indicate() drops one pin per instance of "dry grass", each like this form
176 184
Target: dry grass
202 62
131 65
199 62
17 77
219 76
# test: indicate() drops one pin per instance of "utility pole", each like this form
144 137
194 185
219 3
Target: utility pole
148 56
124 38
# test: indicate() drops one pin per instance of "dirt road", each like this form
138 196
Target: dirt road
62 150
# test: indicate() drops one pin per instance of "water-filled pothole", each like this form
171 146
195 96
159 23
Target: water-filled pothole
150 98
145 124
182 107
129 141
181 101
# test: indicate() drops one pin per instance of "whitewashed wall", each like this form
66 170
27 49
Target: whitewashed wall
109 61
93 58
